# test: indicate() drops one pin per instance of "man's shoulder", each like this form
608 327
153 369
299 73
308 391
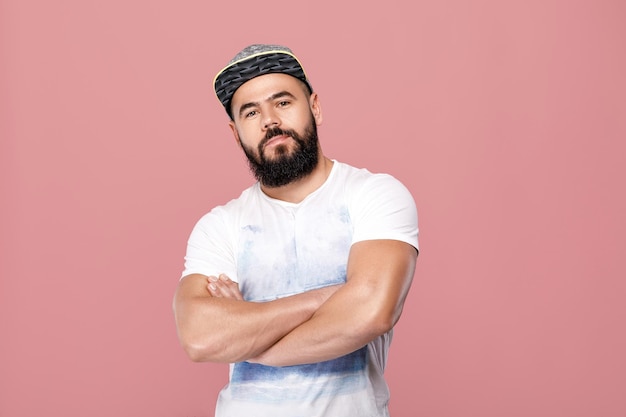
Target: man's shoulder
245 199
353 176
248 194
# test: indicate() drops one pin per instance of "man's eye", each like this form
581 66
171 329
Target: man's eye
283 103
251 113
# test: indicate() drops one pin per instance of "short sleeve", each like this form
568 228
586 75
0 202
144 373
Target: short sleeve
383 208
210 247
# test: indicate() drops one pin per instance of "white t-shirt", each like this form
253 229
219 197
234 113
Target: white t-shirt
274 249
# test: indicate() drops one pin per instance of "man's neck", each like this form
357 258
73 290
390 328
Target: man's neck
297 191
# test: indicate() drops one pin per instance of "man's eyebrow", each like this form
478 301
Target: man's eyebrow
247 106
281 94
274 96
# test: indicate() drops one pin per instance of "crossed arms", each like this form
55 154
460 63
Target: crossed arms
215 324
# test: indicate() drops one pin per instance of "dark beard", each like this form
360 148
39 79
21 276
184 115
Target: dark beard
285 167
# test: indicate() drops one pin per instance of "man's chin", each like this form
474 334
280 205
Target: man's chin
277 152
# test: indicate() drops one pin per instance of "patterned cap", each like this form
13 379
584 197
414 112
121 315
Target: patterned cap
252 61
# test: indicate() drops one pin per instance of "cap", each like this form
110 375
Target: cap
252 61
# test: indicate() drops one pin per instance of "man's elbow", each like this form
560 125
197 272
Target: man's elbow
377 323
197 352
210 350
383 325
200 348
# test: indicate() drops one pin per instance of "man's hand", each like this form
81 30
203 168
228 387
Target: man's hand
224 287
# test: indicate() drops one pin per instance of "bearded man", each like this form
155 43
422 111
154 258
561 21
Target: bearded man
299 281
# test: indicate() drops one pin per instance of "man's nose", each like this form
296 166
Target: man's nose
270 119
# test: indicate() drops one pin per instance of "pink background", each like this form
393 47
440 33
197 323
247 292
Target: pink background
507 120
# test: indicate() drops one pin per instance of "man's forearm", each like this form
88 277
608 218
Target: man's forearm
229 330
342 325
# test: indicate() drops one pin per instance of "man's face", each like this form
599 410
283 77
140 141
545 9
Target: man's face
275 120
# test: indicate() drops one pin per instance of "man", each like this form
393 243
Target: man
298 282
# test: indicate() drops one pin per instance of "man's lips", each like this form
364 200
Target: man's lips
275 140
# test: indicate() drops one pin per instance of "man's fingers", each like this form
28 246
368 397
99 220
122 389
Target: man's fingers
224 287
213 287
230 288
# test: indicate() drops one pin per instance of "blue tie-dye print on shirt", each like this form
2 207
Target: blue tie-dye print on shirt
260 383
291 250
288 251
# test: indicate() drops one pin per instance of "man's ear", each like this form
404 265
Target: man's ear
316 108
233 128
